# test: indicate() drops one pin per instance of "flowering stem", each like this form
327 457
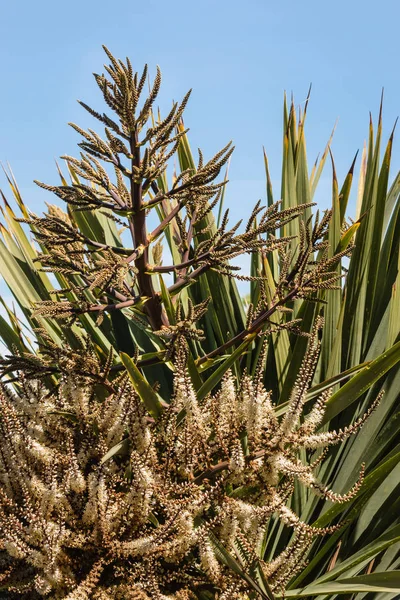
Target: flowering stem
137 225
254 328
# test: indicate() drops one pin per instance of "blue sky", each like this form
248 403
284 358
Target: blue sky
238 57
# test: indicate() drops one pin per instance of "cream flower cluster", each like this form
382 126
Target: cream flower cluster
150 521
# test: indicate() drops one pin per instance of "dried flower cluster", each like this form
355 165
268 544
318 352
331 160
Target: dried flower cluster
99 500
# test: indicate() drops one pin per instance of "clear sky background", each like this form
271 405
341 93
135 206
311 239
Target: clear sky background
238 56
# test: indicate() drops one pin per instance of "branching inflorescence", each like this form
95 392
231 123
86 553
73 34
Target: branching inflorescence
150 521
104 277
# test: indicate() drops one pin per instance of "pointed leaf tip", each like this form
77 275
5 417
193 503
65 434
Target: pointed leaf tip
353 164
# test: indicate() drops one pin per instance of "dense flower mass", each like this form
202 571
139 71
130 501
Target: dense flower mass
100 500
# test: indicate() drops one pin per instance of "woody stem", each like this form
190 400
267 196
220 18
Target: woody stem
137 226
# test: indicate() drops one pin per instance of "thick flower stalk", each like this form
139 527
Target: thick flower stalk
100 500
